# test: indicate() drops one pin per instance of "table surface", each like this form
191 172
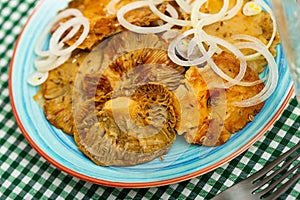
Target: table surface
26 175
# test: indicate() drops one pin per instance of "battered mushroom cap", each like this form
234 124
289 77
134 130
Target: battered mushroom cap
142 66
76 80
57 93
104 24
112 59
129 113
128 130
219 116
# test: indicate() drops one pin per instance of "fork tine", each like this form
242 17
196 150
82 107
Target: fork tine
284 187
271 176
274 163
245 189
273 185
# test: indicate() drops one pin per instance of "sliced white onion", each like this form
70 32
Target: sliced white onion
251 8
170 34
139 29
172 51
71 33
247 37
239 55
172 20
185 5
234 10
197 37
37 78
66 13
272 80
45 33
197 16
58 52
44 62
243 67
41 41
191 48
111 7
51 62
57 39
269 10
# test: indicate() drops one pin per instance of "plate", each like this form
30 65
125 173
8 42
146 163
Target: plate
181 163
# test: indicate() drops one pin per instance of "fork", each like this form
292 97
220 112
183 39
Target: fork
257 186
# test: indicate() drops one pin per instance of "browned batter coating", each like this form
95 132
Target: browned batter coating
128 130
128 100
219 117
104 24
55 95
259 26
136 121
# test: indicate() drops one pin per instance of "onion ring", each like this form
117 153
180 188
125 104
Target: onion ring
139 29
58 53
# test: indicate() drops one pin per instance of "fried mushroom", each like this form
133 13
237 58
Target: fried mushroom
128 130
104 24
219 117
57 93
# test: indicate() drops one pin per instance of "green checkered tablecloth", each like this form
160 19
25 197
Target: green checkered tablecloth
26 175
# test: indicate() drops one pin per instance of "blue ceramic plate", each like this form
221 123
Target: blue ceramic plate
181 163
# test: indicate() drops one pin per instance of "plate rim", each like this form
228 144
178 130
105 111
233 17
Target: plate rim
126 184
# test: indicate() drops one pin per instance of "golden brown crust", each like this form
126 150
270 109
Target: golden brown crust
139 65
109 136
259 26
144 76
57 93
219 116
104 24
